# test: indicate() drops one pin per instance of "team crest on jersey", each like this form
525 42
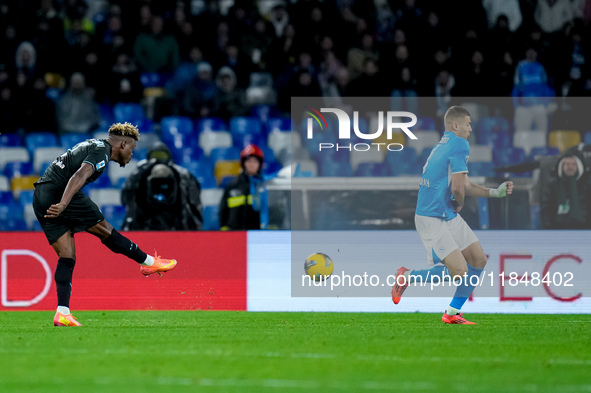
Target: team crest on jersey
100 165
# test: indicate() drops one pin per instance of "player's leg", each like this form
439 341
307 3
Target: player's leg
476 259
61 239
120 244
474 262
475 256
440 246
66 251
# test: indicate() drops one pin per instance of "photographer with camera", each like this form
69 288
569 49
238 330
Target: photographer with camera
161 196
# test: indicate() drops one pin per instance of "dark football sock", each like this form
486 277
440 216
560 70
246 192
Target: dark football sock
63 280
119 244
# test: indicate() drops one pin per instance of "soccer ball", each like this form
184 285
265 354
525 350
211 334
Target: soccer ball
318 266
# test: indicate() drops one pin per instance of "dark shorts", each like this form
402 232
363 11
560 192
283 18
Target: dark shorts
82 213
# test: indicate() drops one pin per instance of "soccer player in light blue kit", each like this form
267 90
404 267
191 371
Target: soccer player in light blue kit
445 234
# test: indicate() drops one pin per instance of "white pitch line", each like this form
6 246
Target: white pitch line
303 355
315 384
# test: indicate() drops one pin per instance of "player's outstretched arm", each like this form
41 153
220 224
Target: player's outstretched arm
506 188
74 184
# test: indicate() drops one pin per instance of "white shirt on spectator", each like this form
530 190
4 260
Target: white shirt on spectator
509 8
551 15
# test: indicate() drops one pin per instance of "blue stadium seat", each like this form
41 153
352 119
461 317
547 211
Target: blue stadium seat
497 140
425 123
206 180
586 138
328 167
508 156
224 154
176 125
186 155
128 112
210 218
53 93
543 151
491 124
99 18
263 112
319 137
242 140
44 167
14 224
481 169
268 152
278 123
35 140
140 153
271 167
114 214
341 155
153 79
119 183
107 117
18 169
245 125
145 126
182 76
203 171
372 169
26 197
10 140
179 141
71 139
405 168
11 209
103 181
36 226
6 197
211 124
404 162
177 132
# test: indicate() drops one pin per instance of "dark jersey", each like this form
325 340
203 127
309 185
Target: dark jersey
95 152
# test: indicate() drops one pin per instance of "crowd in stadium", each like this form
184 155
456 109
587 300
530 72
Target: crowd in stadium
72 67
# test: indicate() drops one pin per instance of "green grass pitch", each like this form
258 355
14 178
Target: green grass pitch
293 352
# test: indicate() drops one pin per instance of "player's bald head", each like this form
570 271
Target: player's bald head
454 114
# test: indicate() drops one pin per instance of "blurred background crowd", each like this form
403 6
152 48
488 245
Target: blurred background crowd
208 77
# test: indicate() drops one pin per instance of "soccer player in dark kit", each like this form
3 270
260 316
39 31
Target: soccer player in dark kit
63 209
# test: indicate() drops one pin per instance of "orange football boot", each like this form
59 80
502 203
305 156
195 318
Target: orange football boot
65 320
160 265
398 290
456 319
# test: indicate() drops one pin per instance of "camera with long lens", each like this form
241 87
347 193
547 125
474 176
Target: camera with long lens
162 185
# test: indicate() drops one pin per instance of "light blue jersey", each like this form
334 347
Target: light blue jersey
449 156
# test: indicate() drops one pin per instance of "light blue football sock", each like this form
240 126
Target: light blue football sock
464 290
426 275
